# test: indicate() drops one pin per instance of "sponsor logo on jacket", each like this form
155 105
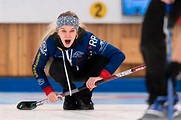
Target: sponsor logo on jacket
93 41
43 48
78 54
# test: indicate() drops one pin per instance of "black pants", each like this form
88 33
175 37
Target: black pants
92 68
153 47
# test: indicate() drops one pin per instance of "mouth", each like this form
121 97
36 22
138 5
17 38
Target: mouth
67 41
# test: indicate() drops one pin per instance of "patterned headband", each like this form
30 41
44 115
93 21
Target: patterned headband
67 20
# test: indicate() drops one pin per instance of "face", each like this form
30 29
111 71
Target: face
67 35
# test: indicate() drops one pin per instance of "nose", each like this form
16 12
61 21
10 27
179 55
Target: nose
67 35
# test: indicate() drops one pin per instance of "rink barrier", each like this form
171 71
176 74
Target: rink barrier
29 84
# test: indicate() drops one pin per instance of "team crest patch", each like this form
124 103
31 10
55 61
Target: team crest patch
40 81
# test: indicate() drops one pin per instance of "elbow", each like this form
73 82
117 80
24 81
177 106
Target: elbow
123 57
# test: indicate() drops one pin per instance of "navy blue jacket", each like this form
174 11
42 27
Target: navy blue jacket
88 46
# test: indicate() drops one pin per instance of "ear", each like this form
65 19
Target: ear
76 36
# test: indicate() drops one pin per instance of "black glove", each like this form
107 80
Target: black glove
172 70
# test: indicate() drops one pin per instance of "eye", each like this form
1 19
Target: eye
63 30
72 31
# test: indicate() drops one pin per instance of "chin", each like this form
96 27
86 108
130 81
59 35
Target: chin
67 46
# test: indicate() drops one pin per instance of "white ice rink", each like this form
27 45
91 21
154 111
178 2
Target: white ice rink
108 106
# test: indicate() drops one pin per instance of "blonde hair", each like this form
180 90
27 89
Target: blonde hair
51 28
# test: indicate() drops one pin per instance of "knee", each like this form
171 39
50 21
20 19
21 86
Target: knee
56 67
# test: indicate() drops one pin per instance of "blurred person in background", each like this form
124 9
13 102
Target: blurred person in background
153 49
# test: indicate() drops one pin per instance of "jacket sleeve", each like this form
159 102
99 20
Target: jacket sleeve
115 56
39 64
